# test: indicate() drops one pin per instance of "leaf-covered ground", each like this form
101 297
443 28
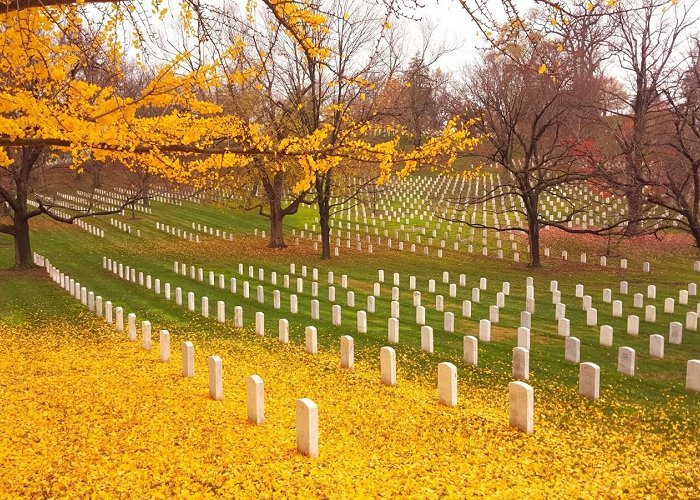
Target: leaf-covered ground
87 413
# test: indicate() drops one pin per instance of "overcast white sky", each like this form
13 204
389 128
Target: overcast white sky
454 27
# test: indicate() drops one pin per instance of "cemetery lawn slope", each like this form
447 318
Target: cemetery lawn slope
85 412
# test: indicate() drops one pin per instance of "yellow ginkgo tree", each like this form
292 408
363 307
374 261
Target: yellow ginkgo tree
54 112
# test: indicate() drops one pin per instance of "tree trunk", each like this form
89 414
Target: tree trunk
634 210
324 218
274 192
276 228
323 199
533 233
534 239
23 249
695 231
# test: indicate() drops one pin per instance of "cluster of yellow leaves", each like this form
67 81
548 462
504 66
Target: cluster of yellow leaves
44 101
87 413
302 22
188 139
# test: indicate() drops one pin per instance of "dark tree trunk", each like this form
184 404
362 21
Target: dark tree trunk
534 239
324 218
634 210
323 200
533 229
695 231
274 192
23 249
276 227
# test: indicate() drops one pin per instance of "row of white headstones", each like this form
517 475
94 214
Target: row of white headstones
306 409
626 355
588 385
401 246
520 393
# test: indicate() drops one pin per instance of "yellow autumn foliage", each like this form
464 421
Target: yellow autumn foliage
87 413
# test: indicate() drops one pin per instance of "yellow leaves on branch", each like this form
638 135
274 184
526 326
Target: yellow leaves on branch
189 139
303 23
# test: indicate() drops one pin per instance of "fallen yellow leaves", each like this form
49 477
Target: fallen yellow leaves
87 413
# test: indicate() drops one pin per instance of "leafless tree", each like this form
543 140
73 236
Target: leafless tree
529 123
673 176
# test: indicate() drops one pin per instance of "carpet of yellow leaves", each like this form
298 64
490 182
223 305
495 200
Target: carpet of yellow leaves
87 413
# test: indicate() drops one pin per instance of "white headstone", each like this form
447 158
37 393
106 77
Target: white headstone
572 349
656 346
466 308
563 327
617 308
216 382
315 309
336 315
493 314
393 330
625 361
485 330
675 333
447 384
255 389
524 337
387 357
521 404
347 352
132 327
361 322
471 350
426 339
521 363
692 375
260 324
187 359
283 329
650 313
669 305
119 313
370 304
633 325
638 300
394 309
589 380
526 319
164 346
449 322
420 315
307 427
238 317
311 336
592 317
